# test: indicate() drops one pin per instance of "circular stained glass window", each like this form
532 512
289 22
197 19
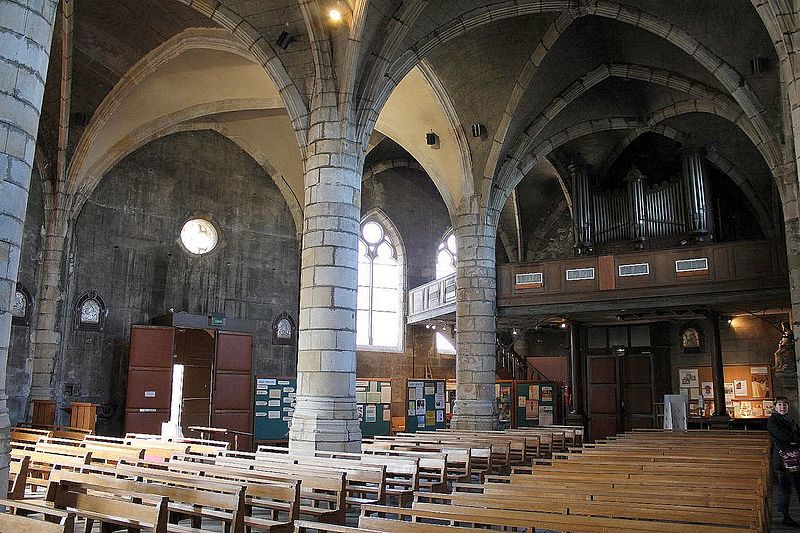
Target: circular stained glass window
199 236
372 233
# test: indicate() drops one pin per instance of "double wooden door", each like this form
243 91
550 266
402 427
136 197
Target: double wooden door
217 385
620 393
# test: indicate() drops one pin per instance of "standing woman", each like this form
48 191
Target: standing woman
785 435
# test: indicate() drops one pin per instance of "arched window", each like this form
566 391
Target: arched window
446 255
21 307
379 314
90 312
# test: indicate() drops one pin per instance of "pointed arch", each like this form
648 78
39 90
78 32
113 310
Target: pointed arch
380 309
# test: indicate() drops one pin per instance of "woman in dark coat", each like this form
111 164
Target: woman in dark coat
785 434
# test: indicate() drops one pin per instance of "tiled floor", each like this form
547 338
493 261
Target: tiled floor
794 510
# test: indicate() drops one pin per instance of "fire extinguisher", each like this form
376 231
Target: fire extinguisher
568 397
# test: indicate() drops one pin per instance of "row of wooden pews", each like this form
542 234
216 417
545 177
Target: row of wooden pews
642 481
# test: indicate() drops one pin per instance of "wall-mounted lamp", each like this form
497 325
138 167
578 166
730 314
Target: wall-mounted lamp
284 40
431 139
478 130
514 332
563 325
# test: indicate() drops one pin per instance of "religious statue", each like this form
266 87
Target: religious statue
784 355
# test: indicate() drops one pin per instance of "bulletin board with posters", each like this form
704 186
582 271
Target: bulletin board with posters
504 393
374 406
748 390
274 407
536 403
425 404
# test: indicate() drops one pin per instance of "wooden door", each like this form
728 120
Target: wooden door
231 399
149 390
194 349
637 391
602 399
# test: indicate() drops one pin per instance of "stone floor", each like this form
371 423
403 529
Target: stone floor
794 510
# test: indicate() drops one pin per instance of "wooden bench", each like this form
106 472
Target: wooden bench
110 510
18 519
222 503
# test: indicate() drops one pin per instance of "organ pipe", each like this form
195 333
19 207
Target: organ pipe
697 194
636 207
581 208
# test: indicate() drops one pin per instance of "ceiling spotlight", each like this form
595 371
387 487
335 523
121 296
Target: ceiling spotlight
284 40
730 321
433 326
335 14
427 326
563 325
514 332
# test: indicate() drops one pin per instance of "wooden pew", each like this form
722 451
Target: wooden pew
17 519
222 503
110 510
486 517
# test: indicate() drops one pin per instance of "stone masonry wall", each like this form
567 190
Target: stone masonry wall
126 250
20 357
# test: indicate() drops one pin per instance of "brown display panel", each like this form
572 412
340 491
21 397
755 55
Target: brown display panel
602 398
149 388
231 400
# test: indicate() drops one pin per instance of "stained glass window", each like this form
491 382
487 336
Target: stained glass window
446 255
199 236
379 313
19 308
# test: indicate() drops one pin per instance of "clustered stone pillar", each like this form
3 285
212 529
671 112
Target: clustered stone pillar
583 229
325 412
636 209
717 369
697 193
26 30
476 333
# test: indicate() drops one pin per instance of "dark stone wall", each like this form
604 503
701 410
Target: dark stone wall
126 249
20 357
413 204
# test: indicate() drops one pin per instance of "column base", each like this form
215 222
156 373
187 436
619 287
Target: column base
475 415
719 421
575 419
325 424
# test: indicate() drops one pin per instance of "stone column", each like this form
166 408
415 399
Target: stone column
325 413
717 370
26 30
475 406
697 194
583 225
636 208
575 416
48 334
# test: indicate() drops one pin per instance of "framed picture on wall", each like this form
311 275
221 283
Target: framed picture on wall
692 340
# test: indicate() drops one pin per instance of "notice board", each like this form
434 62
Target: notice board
374 406
535 403
748 390
274 407
425 404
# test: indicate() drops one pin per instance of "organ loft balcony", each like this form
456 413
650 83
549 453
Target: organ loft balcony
744 274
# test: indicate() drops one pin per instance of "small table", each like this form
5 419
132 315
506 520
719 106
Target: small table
220 432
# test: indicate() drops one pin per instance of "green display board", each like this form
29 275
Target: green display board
374 406
274 406
536 403
425 404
